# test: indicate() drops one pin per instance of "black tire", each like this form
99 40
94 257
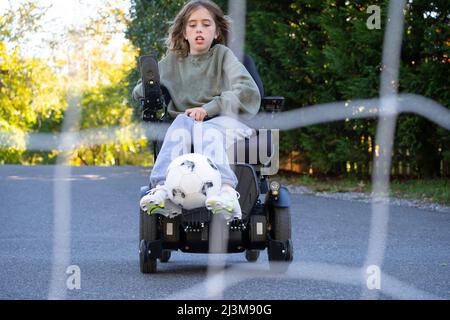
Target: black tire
281 231
281 225
141 226
165 256
147 264
147 232
252 255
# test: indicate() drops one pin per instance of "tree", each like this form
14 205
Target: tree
318 52
31 96
33 91
105 96
425 70
323 52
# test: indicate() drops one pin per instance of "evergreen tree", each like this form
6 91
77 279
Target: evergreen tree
424 71
318 52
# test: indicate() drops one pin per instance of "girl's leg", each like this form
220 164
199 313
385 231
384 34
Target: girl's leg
177 142
209 140
212 139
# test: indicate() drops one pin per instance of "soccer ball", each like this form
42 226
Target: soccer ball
190 179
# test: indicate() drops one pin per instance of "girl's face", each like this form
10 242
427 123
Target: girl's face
200 31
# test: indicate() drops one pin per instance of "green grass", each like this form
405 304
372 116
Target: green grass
432 190
435 190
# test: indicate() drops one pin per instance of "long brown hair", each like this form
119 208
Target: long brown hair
176 41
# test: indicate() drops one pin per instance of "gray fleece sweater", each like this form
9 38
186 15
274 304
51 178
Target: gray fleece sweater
215 80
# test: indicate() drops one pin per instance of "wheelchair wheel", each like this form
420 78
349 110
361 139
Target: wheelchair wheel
281 224
147 232
281 232
165 256
252 255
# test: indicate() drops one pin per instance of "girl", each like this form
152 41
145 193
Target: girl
204 79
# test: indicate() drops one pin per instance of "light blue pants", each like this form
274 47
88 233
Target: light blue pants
210 138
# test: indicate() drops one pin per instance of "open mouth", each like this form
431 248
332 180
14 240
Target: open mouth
199 39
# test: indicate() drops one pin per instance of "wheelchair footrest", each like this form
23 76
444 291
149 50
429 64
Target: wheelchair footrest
199 215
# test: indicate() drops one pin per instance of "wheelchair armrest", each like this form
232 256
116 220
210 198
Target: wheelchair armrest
272 104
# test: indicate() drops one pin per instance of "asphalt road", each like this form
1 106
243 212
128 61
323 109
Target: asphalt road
330 239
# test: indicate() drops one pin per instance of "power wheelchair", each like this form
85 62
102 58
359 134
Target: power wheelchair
266 218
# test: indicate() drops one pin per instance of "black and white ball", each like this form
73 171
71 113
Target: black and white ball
190 179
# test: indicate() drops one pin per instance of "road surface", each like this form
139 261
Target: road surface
330 239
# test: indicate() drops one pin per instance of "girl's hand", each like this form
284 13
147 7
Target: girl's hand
196 113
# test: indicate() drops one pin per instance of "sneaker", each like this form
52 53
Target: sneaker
154 201
225 203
